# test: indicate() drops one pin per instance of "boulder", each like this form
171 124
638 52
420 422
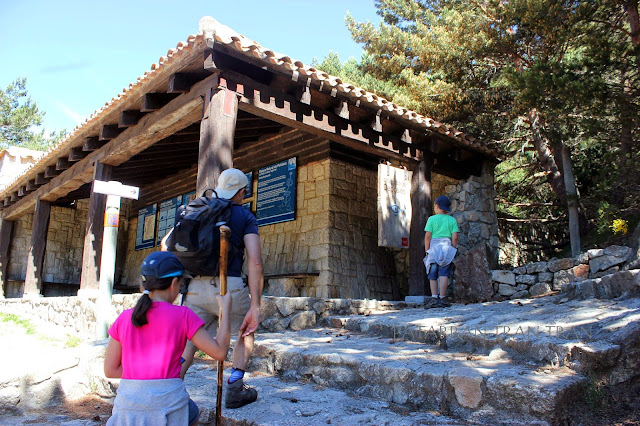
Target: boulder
617 251
520 270
505 277
605 262
561 278
506 290
536 267
545 277
472 280
540 288
560 264
467 384
303 320
593 253
526 279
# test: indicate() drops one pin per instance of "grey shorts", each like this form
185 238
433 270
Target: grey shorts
201 298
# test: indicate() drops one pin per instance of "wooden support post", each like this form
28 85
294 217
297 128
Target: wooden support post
35 259
421 206
217 129
6 229
90 278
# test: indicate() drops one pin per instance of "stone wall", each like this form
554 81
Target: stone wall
302 245
65 241
358 267
535 279
77 314
474 207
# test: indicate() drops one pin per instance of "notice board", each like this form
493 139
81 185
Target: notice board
167 216
276 194
146 230
394 206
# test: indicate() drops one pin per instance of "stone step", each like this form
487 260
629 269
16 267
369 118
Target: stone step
416 375
619 284
548 331
298 403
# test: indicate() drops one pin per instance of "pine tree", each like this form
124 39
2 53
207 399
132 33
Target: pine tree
542 73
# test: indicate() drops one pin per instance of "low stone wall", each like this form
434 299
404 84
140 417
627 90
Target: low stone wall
535 279
77 314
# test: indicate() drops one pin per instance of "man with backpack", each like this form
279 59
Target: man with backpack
245 309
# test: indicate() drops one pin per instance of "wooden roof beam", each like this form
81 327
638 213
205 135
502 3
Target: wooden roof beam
178 114
155 101
31 185
76 154
92 143
181 82
285 109
51 171
130 118
109 131
41 179
63 163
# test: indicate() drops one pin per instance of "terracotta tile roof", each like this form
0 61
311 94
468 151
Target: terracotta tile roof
195 43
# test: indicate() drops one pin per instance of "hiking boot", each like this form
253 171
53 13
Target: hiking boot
431 303
239 394
444 302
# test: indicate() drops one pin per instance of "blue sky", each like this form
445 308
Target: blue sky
77 55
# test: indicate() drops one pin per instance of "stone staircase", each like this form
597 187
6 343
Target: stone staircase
522 361
513 362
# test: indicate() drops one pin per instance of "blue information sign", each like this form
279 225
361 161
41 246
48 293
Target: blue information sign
146 230
249 185
276 199
167 216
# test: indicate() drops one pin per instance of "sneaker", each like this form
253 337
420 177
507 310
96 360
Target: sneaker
239 394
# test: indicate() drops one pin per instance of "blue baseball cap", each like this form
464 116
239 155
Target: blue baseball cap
162 264
444 203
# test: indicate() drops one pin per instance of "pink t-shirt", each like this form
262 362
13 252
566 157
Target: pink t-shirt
153 351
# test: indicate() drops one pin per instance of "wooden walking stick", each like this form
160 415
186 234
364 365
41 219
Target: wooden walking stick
225 232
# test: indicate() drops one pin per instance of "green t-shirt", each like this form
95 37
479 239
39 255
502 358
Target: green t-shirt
441 226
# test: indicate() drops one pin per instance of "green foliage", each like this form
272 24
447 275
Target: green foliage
491 68
72 341
24 323
19 116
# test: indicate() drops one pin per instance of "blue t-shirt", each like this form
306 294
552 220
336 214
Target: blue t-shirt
242 222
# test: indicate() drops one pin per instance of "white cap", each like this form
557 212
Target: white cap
230 182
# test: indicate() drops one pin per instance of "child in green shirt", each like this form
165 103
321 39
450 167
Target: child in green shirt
440 243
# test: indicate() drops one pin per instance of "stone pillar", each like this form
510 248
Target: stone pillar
92 251
35 259
421 206
217 130
6 229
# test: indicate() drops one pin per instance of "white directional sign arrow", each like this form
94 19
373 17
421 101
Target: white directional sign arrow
116 188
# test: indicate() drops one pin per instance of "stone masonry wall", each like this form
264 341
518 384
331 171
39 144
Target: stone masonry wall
302 245
65 240
358 267
77 314
473 206
535 279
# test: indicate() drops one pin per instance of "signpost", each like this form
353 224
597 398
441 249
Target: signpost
114 191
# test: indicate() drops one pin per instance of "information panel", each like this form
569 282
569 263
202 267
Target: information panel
146 230
167 216
187 198
276 195
249 193
394 206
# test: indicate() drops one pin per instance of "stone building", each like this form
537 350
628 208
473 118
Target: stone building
219 100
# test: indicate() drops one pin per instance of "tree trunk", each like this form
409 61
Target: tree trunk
631 8
572 201
547 157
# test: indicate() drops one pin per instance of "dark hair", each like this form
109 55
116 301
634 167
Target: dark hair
139 315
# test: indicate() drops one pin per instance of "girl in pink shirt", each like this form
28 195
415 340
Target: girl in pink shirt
146 345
